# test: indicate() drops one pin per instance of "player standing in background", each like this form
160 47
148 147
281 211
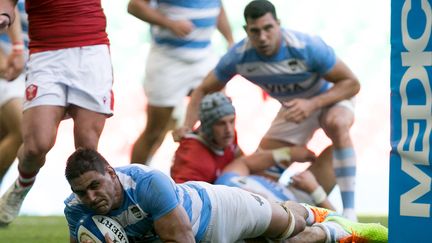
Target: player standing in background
14 52
180 56
69 74
304 74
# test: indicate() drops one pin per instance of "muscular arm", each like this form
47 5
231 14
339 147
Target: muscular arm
175 226
209 85
143 11
263 159
7 13
224 27
346 85
307 182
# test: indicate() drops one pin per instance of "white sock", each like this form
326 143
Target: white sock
333 231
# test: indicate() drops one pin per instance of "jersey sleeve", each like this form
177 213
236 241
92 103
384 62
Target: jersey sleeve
156 194
73 214
226 67
322 56
193 162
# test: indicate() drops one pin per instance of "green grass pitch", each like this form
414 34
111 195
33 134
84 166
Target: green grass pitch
53 229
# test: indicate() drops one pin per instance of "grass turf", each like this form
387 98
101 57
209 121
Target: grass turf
53 229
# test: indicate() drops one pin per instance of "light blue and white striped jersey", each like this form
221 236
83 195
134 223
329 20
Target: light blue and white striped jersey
197 44
294 72
5 42
271 190
149 195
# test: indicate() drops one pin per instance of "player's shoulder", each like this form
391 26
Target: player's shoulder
132 175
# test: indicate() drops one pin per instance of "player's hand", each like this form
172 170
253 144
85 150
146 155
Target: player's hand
180 132
297 110
181 28
108 239
14 66
305 181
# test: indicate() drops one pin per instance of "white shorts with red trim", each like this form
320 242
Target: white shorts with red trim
80 76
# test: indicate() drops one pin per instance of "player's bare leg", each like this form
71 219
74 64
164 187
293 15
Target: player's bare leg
88 126
11 139
158 120
336 123
40 125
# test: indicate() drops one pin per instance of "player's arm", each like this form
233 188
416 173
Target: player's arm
15 61
142 10
346 85
7 14
175 226
264 159
209 85
307 182
224 27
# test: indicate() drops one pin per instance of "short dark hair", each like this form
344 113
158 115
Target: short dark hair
84 160
259 8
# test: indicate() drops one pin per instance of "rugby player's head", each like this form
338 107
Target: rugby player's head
262 27
84 160
217 115
258 8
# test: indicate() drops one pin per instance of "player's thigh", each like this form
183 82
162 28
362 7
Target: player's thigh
39 127
88 126
11 115
234 204
158 117
289 133
323 171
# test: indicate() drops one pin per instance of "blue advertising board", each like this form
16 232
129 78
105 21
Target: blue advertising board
411 122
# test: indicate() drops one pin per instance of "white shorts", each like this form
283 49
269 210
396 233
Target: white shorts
81 76
11 90
236 214
168 80
299 133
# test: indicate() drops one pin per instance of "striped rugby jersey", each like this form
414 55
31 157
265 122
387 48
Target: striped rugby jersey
197 44
149 195
294 72
271 190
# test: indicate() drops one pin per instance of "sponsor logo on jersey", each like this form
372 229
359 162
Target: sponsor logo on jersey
136 212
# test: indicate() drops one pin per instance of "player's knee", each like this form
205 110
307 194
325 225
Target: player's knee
336 126
38 150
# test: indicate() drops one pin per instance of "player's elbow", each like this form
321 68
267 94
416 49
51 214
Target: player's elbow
356 86
132 7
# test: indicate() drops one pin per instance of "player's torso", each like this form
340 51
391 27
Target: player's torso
203 14
57 24
286 75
